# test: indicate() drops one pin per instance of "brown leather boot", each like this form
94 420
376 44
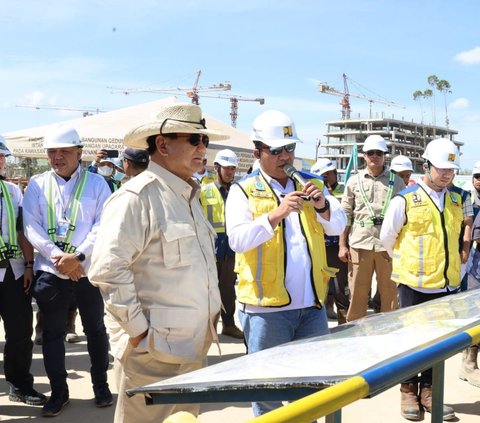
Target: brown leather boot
426 401
341 316
409 405
469 370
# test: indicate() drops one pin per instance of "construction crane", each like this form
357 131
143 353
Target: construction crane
86 111
345 101
192 93
234 99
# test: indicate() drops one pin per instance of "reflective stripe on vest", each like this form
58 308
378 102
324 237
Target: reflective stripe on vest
213 206
371 214
12 220
52 215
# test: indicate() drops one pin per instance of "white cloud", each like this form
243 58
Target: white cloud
460 103
469 57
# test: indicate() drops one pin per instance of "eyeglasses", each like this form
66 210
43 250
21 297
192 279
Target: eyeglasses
476 176
378 153
196 139
275 151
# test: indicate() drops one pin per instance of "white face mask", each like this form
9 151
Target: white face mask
105 170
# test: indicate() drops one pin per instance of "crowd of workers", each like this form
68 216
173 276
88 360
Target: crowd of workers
153 249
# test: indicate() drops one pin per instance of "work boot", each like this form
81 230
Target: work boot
330 311
70 335
426 401
233 331
341 316
39 329
409 406
469 370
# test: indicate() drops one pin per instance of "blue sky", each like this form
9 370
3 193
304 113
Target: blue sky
65 53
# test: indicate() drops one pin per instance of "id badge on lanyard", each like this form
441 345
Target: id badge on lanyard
62 229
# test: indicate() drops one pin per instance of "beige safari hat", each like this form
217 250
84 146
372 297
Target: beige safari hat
177 119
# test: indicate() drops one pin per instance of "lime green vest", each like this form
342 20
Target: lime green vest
261 271
213 206
426 251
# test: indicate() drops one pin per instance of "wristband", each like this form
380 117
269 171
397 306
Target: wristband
324 208
29 262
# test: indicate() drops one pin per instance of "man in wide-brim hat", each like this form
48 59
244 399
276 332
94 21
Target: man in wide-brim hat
155 263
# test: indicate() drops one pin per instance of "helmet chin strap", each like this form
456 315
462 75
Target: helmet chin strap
431 180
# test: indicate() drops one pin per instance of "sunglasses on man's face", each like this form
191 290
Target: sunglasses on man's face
196 139
371 153
275 151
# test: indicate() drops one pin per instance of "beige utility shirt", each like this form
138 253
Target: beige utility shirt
154 262
375 188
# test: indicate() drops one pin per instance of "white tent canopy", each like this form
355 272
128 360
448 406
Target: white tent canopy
107 130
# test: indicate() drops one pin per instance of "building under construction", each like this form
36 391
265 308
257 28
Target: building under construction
407 138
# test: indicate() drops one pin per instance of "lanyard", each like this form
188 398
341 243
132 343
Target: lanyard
11 219
371 214
74 207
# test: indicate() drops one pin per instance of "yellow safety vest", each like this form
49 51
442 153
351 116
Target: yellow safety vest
261 271
208 178
426 252
213 206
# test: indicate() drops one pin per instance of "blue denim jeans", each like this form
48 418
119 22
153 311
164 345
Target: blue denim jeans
267 330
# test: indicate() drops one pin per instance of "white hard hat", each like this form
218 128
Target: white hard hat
322 165
442 153
476 168
226 158
401 163
274 129
62 136
3 147
375 142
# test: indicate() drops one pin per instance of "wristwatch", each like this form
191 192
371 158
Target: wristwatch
80 256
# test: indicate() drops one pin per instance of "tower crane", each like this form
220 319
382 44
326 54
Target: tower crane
192 93
345 101
86 111
234 99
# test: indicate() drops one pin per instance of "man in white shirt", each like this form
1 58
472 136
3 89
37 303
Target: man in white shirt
154 262
16 274
420 232
276 227
62 210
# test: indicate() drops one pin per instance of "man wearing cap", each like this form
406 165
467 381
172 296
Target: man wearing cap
135 161
105 166
403 167
421 232
340 293
16 275
61 212
154 261
365 200
212 198
276 227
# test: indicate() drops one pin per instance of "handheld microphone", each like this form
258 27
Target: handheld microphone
295 174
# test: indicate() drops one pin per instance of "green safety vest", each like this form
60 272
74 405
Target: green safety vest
52 216
12 245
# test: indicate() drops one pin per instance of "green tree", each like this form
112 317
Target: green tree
445 88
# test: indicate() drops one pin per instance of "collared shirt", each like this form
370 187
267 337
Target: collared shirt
246 233
18 266
35 215
154 260
395 218
376 189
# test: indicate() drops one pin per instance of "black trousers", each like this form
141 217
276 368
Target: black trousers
226 285
17 316
55 310
408 297
341 293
